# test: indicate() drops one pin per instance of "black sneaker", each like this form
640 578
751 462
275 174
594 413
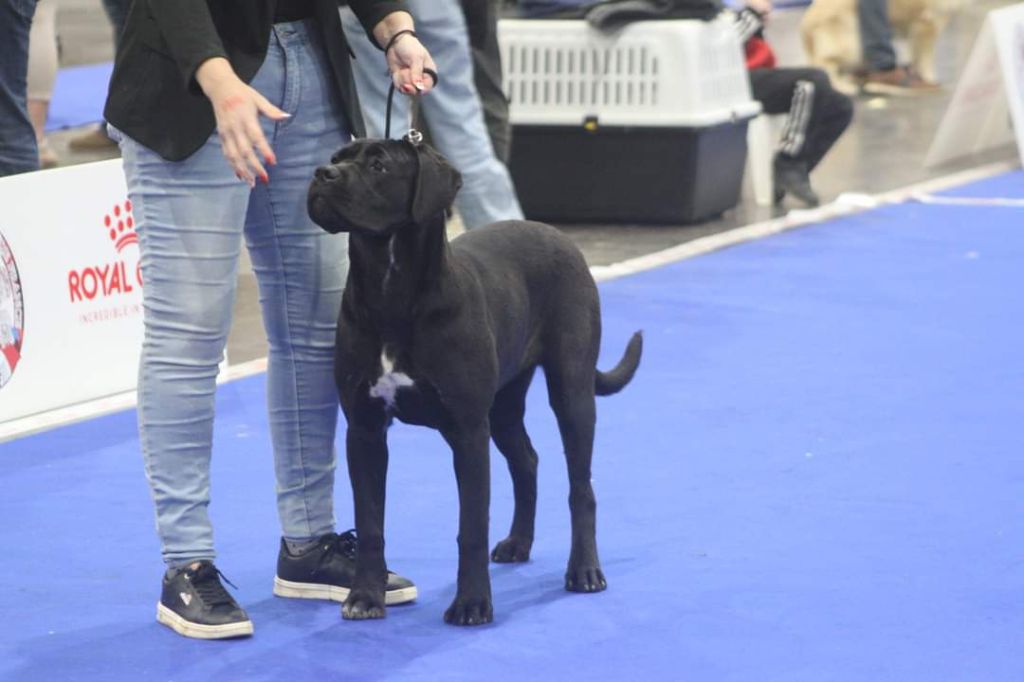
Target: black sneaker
791 177
195 604
326 571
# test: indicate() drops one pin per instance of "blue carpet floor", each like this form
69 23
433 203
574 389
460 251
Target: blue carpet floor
78 96
816 475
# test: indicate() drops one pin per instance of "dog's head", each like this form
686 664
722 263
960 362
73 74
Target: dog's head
376 187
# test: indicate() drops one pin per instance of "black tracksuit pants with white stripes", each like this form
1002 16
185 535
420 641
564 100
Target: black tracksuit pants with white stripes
818 114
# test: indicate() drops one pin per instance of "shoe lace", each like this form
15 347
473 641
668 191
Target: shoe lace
206 581
343 545
347 544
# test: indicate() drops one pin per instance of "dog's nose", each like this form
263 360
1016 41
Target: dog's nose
327 173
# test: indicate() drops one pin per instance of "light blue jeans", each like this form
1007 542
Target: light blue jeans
191 216
453 111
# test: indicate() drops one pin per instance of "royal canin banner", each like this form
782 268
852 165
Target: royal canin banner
70 288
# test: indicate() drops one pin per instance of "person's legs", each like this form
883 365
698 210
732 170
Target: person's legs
876 35
882 75
301 271
456 119
18 151
42 73
453 110
189 219
372 81
482 25
95 139
798 93
832 112
818 114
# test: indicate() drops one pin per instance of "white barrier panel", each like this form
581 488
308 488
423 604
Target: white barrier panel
70 288
987 108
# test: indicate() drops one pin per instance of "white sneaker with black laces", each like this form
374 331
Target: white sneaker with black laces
195 604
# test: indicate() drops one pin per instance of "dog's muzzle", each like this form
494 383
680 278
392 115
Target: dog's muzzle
327 173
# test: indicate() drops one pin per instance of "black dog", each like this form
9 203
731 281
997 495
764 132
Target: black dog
449 336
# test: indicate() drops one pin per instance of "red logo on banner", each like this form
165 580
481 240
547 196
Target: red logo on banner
12 313
115 277
122 226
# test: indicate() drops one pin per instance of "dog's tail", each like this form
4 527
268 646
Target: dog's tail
607 383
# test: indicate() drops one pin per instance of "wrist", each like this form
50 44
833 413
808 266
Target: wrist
390 26
397 36
214 73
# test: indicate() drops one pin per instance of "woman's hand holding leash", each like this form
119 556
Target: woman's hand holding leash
407 59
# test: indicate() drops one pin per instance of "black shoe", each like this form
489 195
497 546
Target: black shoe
195 604
326 571
791 177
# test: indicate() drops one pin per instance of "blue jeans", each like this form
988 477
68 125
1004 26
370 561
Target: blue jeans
876 35
191 217
453 111
18 151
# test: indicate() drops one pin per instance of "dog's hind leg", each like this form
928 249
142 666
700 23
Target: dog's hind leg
571 394
509 434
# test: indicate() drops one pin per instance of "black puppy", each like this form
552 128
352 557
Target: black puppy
449 336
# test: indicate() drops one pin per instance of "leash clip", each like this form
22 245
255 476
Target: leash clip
414 137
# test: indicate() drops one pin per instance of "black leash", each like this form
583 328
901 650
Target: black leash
414 135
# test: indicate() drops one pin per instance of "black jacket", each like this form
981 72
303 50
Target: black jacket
154 98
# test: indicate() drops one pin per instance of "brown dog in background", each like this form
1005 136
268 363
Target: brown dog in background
831 35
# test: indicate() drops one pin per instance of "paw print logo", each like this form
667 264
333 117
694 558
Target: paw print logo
121 226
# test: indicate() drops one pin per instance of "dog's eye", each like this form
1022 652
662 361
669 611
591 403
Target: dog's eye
378 166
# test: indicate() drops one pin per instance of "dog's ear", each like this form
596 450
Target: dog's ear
437 182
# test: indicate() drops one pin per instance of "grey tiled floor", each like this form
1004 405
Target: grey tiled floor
883 149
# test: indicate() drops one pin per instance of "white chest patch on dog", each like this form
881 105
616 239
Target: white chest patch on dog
389 382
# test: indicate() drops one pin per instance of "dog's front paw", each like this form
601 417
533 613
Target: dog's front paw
363 605
511 550
469 611
585 579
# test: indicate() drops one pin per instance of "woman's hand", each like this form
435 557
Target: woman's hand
237 107
406 55
406 60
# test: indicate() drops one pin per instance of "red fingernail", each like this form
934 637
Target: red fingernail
265 178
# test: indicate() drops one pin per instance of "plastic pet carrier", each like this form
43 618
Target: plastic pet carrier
646 124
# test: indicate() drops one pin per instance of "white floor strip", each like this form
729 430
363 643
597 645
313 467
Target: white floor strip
844 205
998 202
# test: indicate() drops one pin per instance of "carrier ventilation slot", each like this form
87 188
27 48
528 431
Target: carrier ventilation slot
551 76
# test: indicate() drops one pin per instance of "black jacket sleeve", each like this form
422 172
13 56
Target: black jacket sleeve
189 34
370 12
